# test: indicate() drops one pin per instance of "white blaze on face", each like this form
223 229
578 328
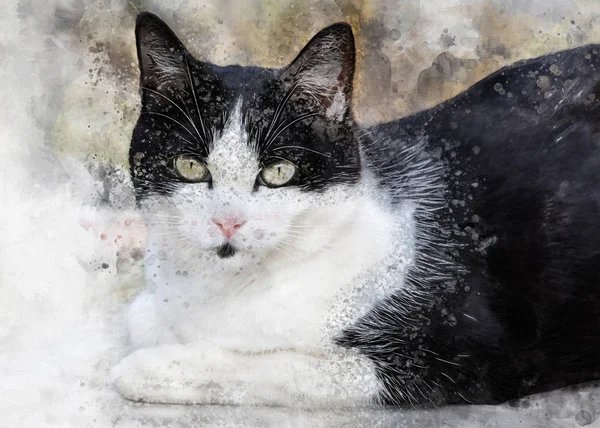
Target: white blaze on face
232 163
276 224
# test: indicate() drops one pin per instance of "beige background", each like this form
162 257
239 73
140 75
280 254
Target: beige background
412 54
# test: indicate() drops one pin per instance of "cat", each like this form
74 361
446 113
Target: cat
297 259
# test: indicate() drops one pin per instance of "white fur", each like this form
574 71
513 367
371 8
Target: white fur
258 328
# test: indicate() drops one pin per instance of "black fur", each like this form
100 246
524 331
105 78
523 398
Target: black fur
226 250
520 165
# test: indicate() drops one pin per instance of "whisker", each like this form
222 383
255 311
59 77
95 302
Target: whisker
189 246
175 241
152 113
447 362
286 126
176 105
191 82
189 144
282 250
171 218
171 223
301 233
447 376
301 148
165 217
279 109
162 222
463 397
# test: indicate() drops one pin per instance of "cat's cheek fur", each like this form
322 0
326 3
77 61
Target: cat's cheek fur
275 219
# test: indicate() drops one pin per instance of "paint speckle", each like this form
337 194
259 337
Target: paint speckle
543 83
137 254
584 418
104 265
447 40
555 70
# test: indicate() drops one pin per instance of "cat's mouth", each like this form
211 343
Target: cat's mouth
226 251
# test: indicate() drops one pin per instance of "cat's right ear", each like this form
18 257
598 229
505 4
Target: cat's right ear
324 70
162 57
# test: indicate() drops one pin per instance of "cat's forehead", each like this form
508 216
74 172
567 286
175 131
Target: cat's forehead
232 160
243 81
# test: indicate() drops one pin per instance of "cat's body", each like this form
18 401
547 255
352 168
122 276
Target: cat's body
521 156
439 258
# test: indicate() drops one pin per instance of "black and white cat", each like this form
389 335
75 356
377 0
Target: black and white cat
294 259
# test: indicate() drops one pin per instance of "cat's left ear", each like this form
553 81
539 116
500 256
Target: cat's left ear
324 70
161 55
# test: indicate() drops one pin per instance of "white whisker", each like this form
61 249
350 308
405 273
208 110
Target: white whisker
191 82
152 113
180 109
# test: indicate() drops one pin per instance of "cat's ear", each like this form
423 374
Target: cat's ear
162 57
324 69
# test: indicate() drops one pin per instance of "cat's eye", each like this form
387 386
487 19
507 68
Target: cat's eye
277 174
191 168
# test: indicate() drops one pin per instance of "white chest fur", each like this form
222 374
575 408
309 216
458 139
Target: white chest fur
214 335
286 303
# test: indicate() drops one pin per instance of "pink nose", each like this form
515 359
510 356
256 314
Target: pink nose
229 225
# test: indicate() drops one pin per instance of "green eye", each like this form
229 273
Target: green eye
191 168
277 174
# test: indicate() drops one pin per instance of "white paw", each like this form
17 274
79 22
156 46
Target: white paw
146 375
166 375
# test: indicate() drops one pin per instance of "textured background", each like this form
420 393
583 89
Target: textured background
412 54
69 103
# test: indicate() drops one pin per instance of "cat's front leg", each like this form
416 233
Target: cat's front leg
163 374
206 374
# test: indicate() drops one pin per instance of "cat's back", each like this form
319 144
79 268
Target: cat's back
529 131
520 162
522 107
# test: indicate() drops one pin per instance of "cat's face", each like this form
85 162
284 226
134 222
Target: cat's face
237 163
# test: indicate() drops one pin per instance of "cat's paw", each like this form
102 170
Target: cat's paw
171 374
149 375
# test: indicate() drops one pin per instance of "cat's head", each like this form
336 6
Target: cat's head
237 163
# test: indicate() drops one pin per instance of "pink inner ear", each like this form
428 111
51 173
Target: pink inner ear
336 106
